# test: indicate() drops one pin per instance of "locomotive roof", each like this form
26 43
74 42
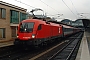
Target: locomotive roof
33 20
41 21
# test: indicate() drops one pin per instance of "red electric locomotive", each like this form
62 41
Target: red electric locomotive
36 32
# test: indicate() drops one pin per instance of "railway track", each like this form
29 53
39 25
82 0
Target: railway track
66 53
46 53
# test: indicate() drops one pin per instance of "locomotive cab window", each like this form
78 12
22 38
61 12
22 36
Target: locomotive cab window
26 27
40 27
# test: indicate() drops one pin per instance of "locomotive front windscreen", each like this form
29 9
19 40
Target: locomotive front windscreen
26 27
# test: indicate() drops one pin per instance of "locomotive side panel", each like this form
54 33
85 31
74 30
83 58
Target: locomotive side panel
55 30
44 32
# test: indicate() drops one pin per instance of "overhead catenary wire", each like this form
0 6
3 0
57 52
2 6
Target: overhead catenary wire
49 6
25 4
74 7
69 8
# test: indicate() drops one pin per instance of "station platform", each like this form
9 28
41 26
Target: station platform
84 50
6 43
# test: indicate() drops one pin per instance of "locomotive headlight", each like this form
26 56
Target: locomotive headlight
33 35
17 36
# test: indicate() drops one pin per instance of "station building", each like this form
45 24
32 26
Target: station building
10 17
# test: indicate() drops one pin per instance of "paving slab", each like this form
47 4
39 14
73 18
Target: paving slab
83 53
